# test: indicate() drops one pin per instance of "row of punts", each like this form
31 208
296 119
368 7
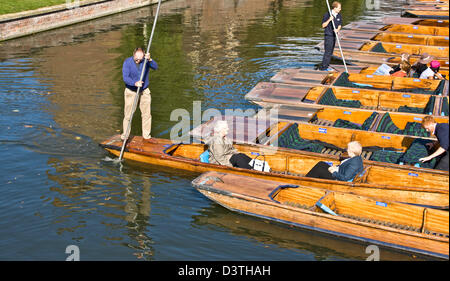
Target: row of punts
308 116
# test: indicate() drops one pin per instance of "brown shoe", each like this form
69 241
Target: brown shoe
150 140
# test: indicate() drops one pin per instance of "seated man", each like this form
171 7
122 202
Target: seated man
346 171
440 130
222 151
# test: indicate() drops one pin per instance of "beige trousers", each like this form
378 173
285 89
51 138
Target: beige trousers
145 101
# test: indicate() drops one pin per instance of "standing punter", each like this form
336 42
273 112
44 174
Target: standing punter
132 69
330 35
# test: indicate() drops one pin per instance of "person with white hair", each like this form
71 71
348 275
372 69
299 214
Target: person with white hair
346 171
222 151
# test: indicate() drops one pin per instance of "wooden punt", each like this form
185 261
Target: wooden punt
298 239
365 69
373 58
395 225
414 21
398 28
408 184
366 120
266 94
395 37
388 48
305 77
427 7
436 14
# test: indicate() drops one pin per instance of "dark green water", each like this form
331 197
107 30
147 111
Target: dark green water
61 93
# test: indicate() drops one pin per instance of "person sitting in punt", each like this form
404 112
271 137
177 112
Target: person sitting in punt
221 150
432 72
405 67
404 58
441 131
420 66
346 171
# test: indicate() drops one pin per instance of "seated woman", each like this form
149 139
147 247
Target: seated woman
432 72
405 67
404 58
221 150
346 171
420 65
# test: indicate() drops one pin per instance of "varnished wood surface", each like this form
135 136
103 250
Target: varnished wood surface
428 187
308 77
303 95
296 206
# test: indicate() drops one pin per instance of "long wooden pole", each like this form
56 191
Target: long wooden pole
337 37
136 98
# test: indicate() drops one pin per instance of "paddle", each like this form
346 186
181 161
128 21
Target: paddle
136 98
337 37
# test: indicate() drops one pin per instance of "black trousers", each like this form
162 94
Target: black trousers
329 43
320 171
442 163
240 160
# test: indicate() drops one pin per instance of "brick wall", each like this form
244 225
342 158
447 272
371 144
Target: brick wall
26 25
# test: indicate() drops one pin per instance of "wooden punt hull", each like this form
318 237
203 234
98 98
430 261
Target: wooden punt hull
357 81
400 226
370 69
398 28
425 187
337 117
426 14
358 57
391 37
269 95
387 49
415 21
427 7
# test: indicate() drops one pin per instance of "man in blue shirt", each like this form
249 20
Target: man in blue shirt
131 70
440 130
330 35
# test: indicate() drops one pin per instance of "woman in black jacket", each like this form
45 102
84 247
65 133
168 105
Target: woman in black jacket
346 171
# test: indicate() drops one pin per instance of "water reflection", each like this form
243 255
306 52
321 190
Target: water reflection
322 247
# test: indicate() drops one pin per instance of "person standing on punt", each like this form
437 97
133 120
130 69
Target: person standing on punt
330 34
440 130
131 70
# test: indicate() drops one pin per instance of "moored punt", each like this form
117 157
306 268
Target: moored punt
398 28
366 120
384 147
267 94
394 37
412 21
368 69
415 21
400 226
373 58
435 14
410 185
305 77
387 48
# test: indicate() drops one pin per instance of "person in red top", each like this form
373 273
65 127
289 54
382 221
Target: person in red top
405 67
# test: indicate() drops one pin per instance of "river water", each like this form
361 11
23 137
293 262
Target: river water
61 93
